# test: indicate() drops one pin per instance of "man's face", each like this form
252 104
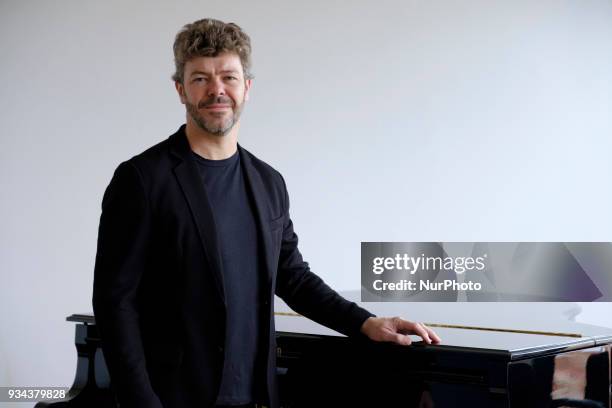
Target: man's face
214 91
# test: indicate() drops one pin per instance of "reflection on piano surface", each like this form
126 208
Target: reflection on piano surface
566 365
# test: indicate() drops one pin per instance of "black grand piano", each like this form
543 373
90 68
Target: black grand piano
492 355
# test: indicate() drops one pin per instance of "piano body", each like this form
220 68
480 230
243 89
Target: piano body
492 355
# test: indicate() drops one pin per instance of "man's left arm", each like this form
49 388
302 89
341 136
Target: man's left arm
309 295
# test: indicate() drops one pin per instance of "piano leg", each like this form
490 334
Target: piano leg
91 387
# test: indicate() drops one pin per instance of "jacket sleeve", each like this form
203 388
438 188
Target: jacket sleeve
120 262
308 294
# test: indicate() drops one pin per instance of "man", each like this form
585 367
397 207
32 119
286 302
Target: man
195 240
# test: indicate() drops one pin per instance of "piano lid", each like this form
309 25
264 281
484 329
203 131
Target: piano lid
510 327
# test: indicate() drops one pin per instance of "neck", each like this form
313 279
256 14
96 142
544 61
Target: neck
209 146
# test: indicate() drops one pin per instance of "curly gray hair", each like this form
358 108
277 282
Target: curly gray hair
208 38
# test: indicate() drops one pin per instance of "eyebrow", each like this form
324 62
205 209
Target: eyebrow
225 71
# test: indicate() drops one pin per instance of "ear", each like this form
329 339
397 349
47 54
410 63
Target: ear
247 88
180 89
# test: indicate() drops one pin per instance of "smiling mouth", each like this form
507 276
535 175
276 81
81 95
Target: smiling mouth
217 107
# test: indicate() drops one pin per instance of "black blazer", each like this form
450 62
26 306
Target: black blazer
158 281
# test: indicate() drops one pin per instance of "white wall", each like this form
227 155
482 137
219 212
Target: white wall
397 120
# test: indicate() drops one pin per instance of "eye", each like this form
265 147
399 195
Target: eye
231 78
199 79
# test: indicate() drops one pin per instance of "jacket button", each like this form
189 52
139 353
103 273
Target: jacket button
220 349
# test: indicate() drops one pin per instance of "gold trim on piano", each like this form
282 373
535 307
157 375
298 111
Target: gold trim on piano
542 333
454 326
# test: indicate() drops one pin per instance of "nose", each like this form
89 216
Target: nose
215 88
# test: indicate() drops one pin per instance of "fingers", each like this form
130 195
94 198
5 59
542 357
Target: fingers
427 334
420 331
402 339
432 335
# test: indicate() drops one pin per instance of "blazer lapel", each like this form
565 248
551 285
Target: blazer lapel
190 181
256 188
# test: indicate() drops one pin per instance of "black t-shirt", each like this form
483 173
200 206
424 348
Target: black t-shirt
239 247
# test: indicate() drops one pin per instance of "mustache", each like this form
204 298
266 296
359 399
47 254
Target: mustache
216 100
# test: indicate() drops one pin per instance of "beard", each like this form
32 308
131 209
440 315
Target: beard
216 126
